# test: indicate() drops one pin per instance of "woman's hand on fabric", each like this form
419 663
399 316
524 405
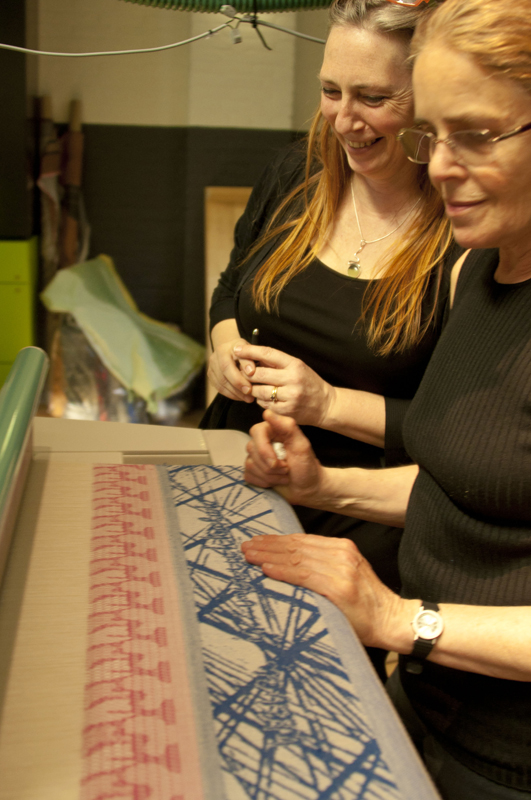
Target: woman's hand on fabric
335 569
300 392
489 640
227 373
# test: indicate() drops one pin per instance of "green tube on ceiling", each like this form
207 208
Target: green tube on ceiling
241 6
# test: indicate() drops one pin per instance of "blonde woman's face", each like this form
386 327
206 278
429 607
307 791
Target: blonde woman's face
489 203
366 96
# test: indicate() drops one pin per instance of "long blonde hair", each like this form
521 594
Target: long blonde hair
392 309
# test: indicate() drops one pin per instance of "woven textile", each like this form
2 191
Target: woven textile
208 680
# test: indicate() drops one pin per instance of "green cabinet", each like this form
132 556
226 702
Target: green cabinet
18 273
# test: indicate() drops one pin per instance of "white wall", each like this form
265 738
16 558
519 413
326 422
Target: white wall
212 83
147 89
242 85
308 58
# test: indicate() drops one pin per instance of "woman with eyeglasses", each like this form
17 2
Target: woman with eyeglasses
339 262
462 623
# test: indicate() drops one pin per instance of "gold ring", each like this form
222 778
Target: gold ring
274 394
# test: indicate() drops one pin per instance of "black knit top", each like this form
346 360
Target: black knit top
468 528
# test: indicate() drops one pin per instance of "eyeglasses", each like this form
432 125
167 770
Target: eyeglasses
469 147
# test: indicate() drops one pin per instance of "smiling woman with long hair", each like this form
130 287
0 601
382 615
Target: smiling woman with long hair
341 261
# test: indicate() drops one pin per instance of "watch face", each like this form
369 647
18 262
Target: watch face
428 624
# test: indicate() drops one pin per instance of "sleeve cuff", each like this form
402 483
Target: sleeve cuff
224 309
395 412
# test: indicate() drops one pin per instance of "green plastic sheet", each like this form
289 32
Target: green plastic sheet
147 357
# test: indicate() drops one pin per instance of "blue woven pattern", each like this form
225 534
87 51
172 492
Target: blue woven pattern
288 721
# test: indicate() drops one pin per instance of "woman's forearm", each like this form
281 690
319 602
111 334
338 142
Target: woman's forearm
373 495
310 400
356 414
489 640
376 495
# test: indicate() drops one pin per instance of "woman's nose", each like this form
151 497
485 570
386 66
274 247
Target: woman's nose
347 119
445 163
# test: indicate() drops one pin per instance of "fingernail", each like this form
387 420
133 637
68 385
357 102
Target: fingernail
237 349
248 369
271 462
246 389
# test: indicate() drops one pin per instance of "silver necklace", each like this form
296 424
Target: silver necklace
353 265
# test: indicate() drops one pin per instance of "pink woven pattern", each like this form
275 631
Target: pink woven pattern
139 737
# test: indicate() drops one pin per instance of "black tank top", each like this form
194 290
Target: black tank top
317 322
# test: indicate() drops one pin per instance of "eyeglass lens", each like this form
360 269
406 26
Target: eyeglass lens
416 145
472 146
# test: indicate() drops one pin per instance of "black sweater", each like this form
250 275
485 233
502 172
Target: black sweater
468 528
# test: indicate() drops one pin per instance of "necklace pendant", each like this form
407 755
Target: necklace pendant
354 267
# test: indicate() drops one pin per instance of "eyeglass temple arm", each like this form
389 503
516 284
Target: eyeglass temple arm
520 129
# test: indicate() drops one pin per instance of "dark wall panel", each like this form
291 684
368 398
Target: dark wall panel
15 153
217 157
133 185
144 193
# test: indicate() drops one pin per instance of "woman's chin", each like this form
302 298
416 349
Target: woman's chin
474 239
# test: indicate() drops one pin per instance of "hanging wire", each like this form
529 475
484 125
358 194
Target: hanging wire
117 52
249 19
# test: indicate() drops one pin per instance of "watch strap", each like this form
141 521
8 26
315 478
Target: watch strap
421 647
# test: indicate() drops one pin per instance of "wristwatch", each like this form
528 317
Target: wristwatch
427 626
